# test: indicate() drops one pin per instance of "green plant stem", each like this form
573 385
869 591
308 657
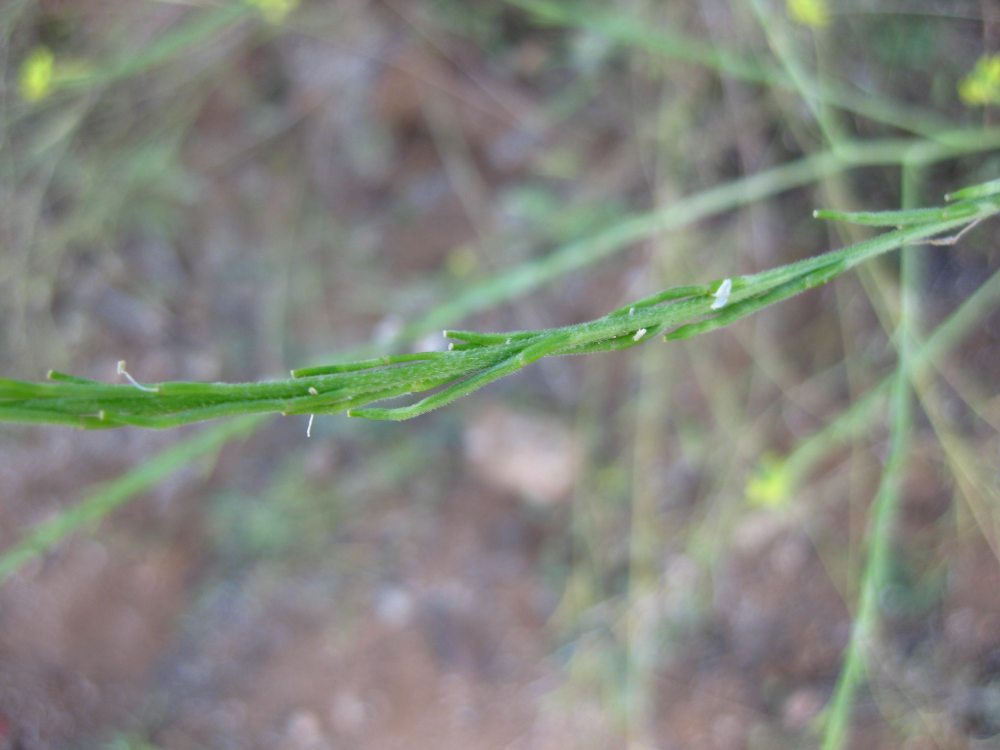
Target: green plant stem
857 418
201 25
884 511
616 26
864 630
477 360
103 499
697 207
809 89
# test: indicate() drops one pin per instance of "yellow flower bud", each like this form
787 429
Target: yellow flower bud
982 85
770 485
274 11
812 13
35 81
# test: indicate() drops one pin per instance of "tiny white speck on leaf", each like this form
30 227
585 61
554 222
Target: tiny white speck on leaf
722 294
639 334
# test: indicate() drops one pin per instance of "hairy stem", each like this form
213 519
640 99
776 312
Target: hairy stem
475 359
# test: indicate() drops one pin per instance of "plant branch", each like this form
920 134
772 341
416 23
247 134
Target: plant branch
476 359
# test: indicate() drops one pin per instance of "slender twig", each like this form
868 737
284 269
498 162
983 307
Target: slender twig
865 630
475 359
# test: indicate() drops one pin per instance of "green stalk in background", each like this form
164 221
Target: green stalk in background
884 511
104 498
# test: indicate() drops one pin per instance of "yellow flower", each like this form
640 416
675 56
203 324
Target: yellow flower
274 11
812 13
35 81
982 85
461 261
770 484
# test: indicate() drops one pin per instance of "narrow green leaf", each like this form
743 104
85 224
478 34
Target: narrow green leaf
983 190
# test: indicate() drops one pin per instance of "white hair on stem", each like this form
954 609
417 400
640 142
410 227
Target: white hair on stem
133 381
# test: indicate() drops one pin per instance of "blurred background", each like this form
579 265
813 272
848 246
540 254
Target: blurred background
657 548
